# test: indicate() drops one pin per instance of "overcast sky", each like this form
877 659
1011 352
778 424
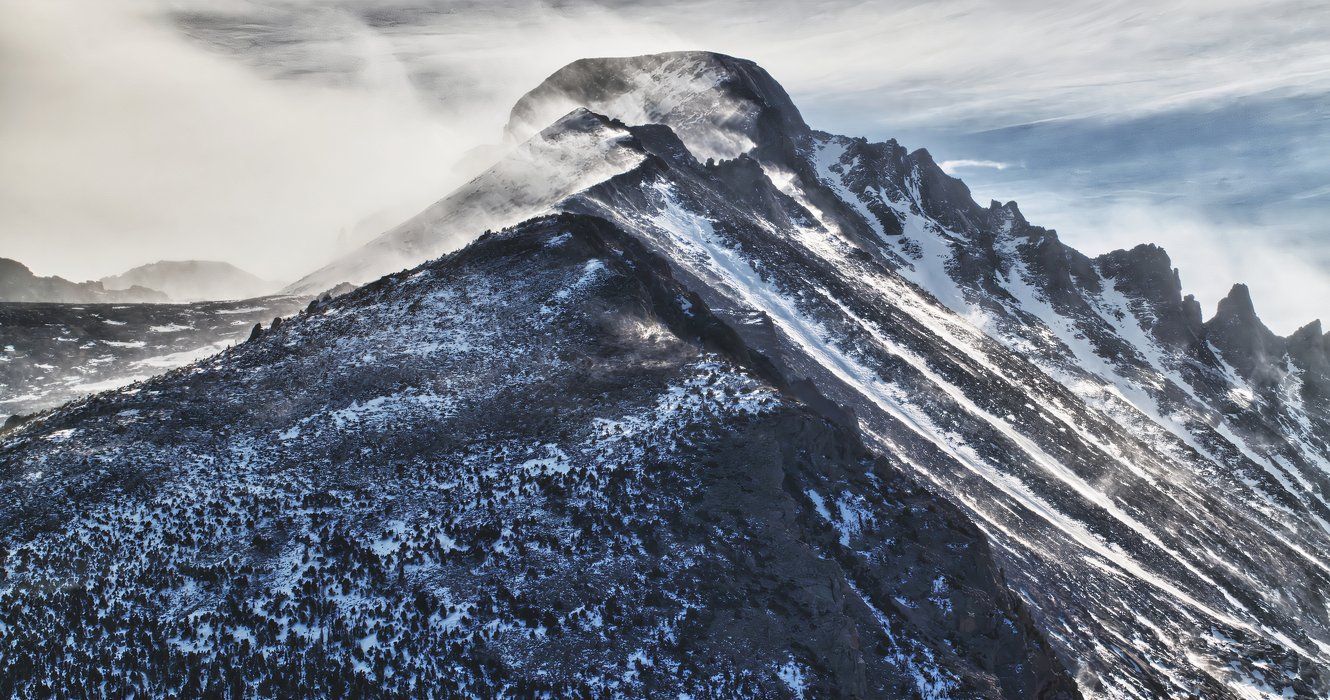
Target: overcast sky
277 134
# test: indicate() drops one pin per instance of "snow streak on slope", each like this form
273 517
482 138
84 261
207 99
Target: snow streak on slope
1100 505
1196 443
696 241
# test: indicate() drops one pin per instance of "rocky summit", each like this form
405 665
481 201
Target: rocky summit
723 406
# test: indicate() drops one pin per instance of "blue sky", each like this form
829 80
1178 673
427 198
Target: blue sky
274 134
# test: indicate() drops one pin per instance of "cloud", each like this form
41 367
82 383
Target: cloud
951 166
906 63
121 141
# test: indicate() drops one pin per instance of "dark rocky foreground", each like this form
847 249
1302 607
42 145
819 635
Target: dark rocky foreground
539 464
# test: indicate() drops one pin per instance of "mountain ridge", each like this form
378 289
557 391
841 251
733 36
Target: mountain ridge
945 194
721 471
193 280
20 284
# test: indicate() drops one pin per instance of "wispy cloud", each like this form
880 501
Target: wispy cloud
951 167
121 141
906 62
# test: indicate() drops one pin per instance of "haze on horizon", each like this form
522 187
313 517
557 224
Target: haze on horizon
276 135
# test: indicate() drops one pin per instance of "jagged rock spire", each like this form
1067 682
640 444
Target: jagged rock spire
1309 351
1243 340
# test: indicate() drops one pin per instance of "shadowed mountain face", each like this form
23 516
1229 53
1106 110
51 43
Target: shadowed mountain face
193 280
18 283
841 328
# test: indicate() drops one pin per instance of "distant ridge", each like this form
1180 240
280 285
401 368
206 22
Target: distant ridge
18 283
193 280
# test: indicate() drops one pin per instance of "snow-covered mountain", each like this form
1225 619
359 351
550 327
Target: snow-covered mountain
538 465
193 280
763 411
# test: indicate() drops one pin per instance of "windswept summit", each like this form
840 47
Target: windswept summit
726 407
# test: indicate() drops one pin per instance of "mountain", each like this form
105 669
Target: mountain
18 283
757 410
559 147
193 280
537 465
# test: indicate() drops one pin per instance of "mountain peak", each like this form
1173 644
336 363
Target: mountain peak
945 198
1237 304
1309 351
1243 340
1147 273
1311 331
1011 207
720 106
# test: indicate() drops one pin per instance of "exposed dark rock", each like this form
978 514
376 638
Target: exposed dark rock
1243 340
945 198
1146 273
1309 350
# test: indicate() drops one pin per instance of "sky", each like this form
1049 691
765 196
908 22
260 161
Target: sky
279 134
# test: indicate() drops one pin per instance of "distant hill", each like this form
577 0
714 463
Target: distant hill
193 280
18 283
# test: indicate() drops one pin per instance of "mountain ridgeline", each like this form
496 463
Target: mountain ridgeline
159 282
726 407
193 280
18 283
